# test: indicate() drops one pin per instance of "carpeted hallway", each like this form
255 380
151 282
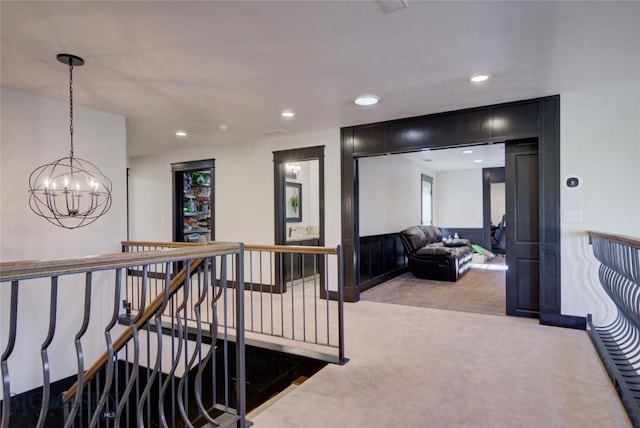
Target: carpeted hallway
420 367
481 290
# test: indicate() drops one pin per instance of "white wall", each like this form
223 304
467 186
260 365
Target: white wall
498 202
458 200
390 193
35 131
244 197
600 144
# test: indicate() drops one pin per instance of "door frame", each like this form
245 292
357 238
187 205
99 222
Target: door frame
536 118
280 159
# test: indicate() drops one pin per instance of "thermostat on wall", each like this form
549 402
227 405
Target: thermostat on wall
573 182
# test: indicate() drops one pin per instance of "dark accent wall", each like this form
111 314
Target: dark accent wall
536 118
475 235
381 258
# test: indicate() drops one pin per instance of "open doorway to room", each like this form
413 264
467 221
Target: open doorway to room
299 212
446 188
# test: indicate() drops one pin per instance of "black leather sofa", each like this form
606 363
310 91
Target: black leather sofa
430 257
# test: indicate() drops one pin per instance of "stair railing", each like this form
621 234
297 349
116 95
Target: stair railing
619 342
149 376
294 298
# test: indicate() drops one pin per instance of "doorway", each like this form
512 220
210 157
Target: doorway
535 118
299 211
393 192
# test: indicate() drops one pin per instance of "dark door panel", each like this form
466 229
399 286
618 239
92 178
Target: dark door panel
522 228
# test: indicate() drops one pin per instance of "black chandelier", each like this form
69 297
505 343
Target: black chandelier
69 192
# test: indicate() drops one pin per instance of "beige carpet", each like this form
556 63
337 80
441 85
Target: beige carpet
479 290
421 367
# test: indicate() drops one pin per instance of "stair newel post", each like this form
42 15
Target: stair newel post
240 355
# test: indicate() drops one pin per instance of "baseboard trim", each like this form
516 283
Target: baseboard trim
370 283
566 321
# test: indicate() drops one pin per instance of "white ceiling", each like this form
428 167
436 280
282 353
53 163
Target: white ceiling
489 155
192 66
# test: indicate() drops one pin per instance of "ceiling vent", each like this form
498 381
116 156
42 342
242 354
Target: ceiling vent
392 5
278 131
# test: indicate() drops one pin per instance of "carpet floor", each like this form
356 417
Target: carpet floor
479 290
422 367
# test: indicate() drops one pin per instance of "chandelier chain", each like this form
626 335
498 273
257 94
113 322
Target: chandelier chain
71 105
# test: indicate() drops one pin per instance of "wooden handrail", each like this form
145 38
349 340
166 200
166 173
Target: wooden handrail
126 335
620 239
292 249
271 248
10 271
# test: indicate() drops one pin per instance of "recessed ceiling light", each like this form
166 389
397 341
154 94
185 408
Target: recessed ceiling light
466 152
181 134
479 78
366 100
223 127
287 114
477 160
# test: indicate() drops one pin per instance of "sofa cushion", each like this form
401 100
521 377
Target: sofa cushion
432 233
432 250
415 236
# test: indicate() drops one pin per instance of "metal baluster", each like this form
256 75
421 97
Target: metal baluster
79 352
136 349
327 300
175 356
214 329
203 363
304 316
8 350
197 351
251 285
315 298
109 341
261 292
293 327
182 331
225 329
144 397
272 284
46 379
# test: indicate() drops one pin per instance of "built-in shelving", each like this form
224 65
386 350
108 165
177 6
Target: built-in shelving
193 186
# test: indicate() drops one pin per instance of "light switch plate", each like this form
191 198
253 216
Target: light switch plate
572 215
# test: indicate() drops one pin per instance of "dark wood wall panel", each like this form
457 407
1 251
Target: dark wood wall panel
349 212
369 139
528 274
381 258
439 131
550 204
527 205
515 121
